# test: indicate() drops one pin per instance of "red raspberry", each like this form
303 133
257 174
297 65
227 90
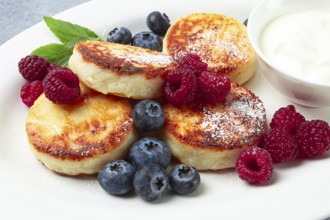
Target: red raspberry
212 87
281 145
194 62
33 68
254 165
313 138
61 85
180 86
30 91
52 66
287 117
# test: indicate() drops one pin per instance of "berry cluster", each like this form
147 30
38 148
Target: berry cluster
60 85
192 81
144 170
290 136
157 22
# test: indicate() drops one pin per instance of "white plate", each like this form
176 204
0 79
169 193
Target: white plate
299 190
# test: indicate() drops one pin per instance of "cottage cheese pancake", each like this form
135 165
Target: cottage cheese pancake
80 137
220 41
121 70
210 137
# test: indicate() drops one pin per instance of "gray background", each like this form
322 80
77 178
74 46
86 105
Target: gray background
18 15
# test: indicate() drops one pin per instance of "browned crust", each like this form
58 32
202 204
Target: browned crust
61 146
197 135
58 147
219 40
102 55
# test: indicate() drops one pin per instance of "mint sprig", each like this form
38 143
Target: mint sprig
69 34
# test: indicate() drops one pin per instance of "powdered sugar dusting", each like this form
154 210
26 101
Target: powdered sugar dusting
227 50
240 121
146 58
135 55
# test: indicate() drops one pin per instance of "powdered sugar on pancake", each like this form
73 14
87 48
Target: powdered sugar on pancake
237 122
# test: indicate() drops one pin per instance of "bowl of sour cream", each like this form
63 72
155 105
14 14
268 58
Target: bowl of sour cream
292 41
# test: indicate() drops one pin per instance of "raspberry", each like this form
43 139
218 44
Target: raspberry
33 68
30 91
52 66
281 145
212 87
61 85
180 87
313 138
254 165
287 117
194 62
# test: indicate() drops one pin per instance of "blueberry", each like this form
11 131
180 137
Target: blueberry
117 177
151 182
120 35
149 150
148 40
158 23
184 179
148 115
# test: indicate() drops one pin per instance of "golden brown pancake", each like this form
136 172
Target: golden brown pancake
210 137
219 40
80 137
121 70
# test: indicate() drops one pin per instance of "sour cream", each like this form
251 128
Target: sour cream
299 43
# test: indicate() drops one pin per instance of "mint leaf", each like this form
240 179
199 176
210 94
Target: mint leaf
58 54
66 31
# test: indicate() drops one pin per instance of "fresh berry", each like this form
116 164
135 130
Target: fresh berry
30 91
33 67
148 115
151 182
148 40
184 179
52 66
281 145
313 138
287 117
254 165
61 86
213 88
180 87
120 35
117 177
149 150
158 23
194 62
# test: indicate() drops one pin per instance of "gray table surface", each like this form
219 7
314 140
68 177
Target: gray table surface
18 15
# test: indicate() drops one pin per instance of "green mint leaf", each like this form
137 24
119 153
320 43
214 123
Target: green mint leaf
66 31
58 54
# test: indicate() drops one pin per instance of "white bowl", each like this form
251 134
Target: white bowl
297 89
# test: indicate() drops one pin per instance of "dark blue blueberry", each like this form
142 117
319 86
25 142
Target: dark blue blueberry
148 115
120 35
158 23
149 150
148 40
117 177
151 182
184 179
